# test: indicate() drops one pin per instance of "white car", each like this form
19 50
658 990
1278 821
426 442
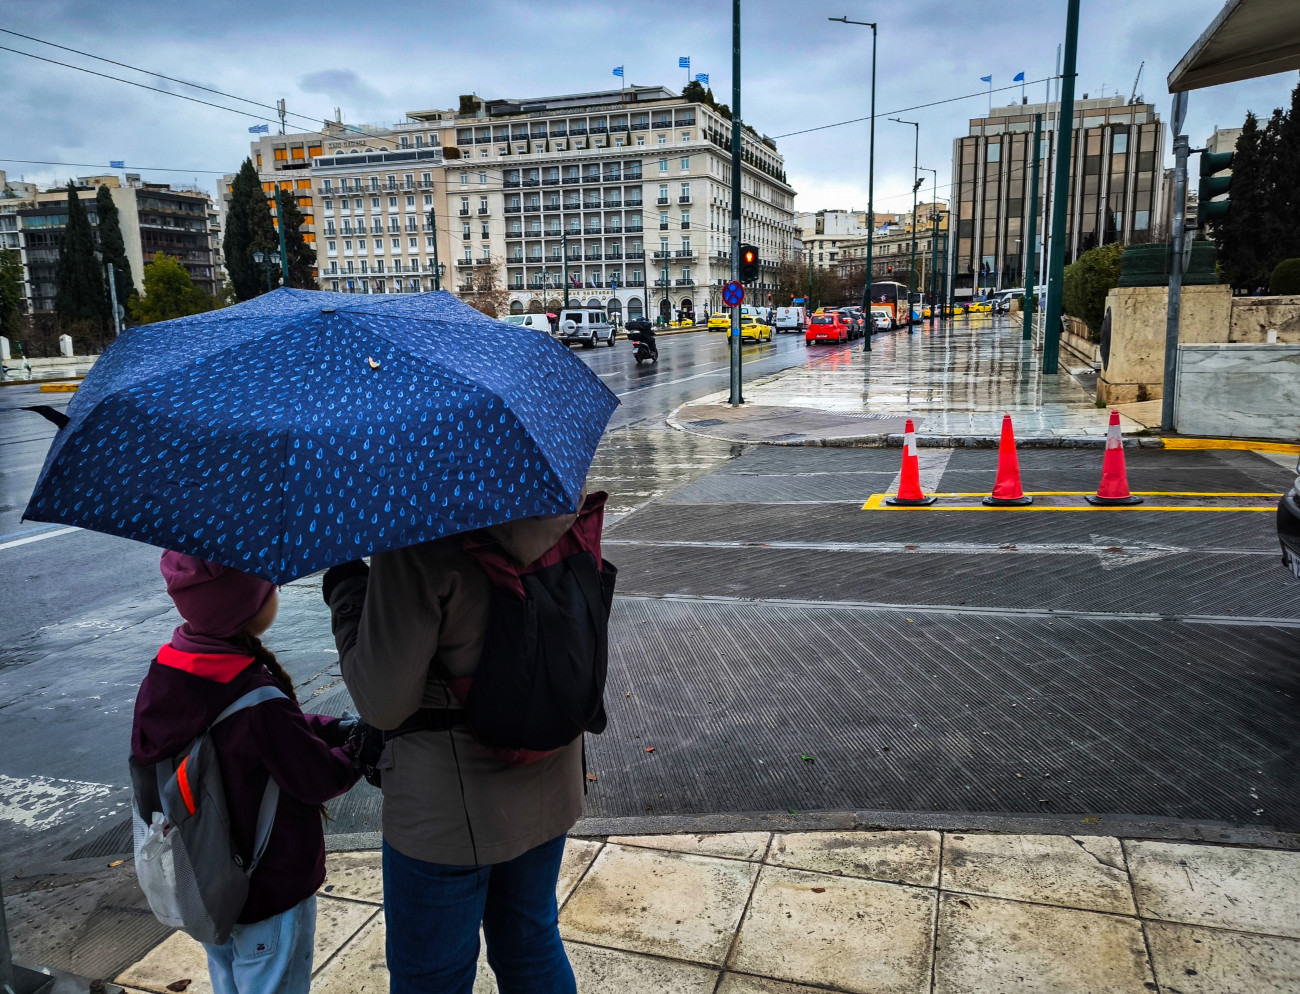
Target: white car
588 327
880 320
538 322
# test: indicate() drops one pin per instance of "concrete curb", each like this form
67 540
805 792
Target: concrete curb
1114 825
895 441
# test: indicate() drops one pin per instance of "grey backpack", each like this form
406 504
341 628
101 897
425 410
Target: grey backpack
185 856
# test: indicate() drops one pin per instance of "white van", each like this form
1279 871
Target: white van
791 319
538 322
586 325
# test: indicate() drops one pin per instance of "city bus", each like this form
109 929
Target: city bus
891 298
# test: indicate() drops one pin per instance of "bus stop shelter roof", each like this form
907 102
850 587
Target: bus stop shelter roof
1249 38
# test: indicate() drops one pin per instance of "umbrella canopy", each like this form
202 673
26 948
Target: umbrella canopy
302 429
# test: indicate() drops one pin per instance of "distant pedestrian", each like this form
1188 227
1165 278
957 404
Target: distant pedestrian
214 658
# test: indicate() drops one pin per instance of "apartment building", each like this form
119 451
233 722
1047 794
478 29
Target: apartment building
1116 181
838 239
154 217
620 196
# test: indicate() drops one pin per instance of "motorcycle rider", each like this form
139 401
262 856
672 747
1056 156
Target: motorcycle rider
641 330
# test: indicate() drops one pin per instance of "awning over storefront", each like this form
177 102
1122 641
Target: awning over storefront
1249 38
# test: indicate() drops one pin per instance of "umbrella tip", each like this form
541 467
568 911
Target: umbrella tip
327 310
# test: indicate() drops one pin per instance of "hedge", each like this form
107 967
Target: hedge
1087 281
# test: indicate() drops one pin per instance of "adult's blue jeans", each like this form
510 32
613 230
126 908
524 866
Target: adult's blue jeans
434 911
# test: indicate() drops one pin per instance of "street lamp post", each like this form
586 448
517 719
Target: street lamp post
871 188
934 193
911 272
260 258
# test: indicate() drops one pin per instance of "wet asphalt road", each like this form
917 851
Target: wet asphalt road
1132 663
82 613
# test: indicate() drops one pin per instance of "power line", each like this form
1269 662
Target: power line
147 72
903 110
100 165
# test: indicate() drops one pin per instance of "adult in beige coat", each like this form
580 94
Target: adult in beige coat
468 838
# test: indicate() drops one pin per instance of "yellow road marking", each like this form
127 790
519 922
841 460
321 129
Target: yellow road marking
1230 443
58 387
876 502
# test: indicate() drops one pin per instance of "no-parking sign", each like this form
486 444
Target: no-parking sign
733 294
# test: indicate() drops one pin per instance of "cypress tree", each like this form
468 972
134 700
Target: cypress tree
1286 185
262 238
80 295
11 295
302 260
245 277
1239 237
111 245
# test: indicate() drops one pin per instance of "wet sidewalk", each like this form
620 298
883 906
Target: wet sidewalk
955 382
866 912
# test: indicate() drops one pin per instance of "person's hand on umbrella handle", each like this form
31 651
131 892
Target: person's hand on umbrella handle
337 574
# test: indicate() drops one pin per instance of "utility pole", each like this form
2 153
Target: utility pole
911 270
1061 191
564 247
433 227
1031 264
279 227
1176 260
871 188
112 297
279 109
736 398
934 236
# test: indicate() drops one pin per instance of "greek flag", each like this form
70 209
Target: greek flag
702 78
618 71
116 163
986 79
1018 78
684 62
259 129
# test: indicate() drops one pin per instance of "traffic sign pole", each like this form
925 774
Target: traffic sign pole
736 398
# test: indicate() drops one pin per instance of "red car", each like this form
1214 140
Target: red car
827 328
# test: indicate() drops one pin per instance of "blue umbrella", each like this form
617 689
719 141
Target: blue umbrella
302 429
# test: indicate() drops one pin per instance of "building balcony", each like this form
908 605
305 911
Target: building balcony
635 283
571 180
591 230
633 203
482 139
685 281
510 184
560 132
640 126
632 174
685 121
663 254
614 254
513 208
591 205
663 282
463 212
613 229
634 229
532 182
620 128
662 122
684 254
662 201
461 263
663 225
594 256
636 254
578 129
613 203
532 208
483 211
684 200
550 181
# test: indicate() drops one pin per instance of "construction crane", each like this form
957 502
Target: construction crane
1133 96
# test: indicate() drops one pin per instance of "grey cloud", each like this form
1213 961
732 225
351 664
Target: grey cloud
341 84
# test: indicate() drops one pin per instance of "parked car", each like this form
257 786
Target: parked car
791 319
538 322
857 324
587 326
827 328
720 322
1288 526
881 320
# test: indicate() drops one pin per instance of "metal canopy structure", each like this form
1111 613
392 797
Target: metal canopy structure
1249 38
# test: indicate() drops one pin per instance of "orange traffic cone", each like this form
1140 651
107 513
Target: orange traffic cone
909 483
1007 491
1114 477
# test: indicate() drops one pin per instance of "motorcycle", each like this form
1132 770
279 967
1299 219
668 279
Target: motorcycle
642 337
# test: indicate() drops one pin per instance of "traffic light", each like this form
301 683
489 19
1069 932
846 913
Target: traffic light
1211 186
748 263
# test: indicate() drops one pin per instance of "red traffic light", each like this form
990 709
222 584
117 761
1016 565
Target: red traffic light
748 263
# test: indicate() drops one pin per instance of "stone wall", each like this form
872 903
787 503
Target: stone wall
1239 390
1253 317
1074 340
1133 367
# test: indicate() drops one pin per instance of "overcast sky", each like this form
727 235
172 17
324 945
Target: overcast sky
378 60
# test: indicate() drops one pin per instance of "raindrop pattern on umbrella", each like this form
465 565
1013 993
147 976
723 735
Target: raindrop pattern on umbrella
303 429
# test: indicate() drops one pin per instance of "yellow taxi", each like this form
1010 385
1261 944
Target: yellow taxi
720 322
753 329
979 307
683 323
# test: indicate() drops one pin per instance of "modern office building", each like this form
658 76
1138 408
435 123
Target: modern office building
619 199
1116 185
154 217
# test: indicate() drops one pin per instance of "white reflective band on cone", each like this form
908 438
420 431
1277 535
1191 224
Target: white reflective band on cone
909 443
1113 440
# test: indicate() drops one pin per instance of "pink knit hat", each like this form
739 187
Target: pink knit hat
214 600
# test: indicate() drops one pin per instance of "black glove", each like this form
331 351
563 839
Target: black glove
365 743
337 574
337 733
